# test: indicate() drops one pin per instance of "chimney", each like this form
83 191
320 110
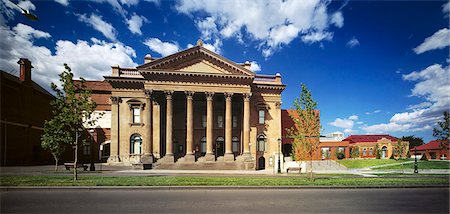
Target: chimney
148 58
115 70
25 70
278 78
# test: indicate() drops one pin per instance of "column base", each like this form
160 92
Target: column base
210 157
228 157
188 158
246 157
113 159
147 159
167 159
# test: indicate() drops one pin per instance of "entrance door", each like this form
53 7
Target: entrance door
383 152
261 163
220 146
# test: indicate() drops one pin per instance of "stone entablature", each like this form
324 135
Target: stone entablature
194 107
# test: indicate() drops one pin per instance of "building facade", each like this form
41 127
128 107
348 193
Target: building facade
25 106
194 109
368 143
433 150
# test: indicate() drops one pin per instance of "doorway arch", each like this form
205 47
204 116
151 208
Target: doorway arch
384 151
261 163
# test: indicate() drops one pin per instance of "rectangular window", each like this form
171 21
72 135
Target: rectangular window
203 147
261 145
204 121
86 149
220 121
136 115
235 121
261 116
235 146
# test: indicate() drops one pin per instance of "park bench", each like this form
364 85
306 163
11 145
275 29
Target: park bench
79 165
299 169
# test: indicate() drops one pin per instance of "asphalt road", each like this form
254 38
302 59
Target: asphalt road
421 200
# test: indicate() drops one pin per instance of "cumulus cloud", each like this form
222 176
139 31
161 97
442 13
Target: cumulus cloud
135 23
90 59
438 40
63 2
254 66
98 24
27 5
160 47
373 112
272 24
446 8
353 42
346 123
433 85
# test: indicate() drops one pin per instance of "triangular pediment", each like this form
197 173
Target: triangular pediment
196 60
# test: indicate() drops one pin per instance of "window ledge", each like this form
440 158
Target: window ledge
136 124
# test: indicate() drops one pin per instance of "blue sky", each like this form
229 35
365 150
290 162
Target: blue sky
373 67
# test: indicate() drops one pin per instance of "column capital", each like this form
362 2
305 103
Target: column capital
148 93
228 96
189 94
169 94
247 96
209 95
115 100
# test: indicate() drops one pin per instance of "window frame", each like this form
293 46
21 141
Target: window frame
261 142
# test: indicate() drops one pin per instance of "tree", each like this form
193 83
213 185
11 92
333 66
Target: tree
339 154
354 153
399 149
377 151
71 109
413 141
442 131
306 130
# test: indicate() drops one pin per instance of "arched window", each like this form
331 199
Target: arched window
365 152
203 145
370 151
383 151
261 143
135 144
235 141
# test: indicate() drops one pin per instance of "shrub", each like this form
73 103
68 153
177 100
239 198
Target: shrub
392 157
340 154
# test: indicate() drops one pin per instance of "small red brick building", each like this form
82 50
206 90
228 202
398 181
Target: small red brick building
433 150
367 144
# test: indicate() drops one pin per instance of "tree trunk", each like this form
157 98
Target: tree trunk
56 162
75 173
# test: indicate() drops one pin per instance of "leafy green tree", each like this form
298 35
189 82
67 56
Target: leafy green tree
399 150
354 153
442 131
413 141
71 109
306 130
339 154
377 151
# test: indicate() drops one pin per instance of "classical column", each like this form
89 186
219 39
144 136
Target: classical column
189 128
147 158
246 124
209 127
114 152
229 156
169 142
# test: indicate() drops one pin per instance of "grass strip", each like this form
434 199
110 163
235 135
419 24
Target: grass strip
421 165
211 181
363 163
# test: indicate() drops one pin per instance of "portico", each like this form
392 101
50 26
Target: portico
193 107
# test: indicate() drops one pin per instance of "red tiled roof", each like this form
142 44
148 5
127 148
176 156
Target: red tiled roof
368 138
434 144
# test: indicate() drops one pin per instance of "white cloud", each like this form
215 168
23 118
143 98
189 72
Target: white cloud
215 47
317 37
353 42
27 5
373 112
135 23
116 6
270 23
63 2
353 117
98 24
163 48
433 85
254 66
446 8
90 59
337 19
343 123
349 131
438 40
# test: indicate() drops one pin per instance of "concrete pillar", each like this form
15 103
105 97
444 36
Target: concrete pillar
209 127
147 158
169 158
189 128
246 124
156 130
114 152
229 156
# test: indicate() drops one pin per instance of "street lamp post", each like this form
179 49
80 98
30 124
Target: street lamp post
92 167
279 162
416 170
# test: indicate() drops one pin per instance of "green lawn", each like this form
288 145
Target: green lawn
363 163
210 181
421 165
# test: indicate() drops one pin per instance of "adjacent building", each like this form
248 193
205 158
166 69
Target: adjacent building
24 108
368 143
194 109
434 149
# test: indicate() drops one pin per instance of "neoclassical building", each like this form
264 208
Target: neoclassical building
195 109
